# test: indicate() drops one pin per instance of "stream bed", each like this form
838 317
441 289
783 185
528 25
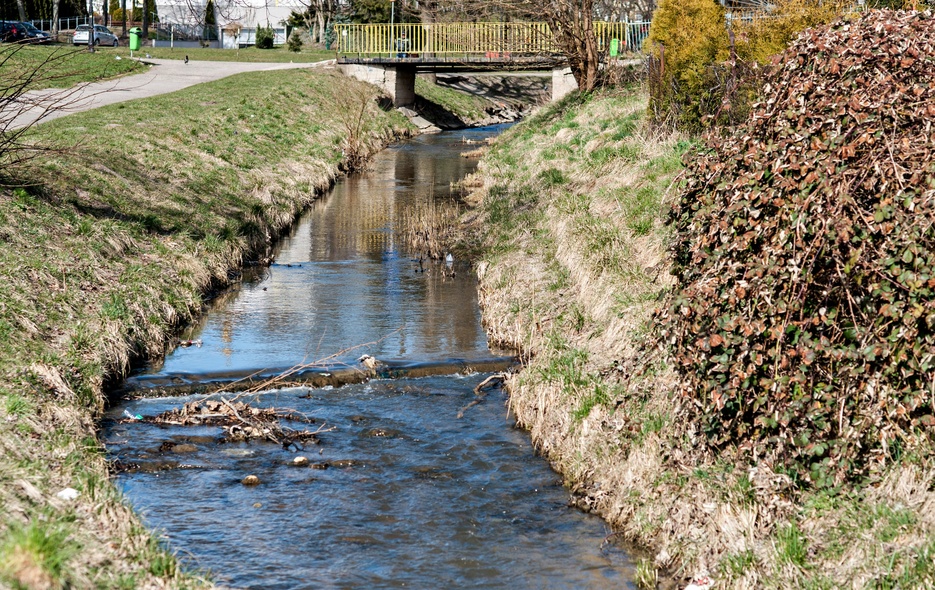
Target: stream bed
411 482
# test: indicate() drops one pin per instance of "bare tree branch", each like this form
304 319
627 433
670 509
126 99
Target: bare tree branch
21 109
571 22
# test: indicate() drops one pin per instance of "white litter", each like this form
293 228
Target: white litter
68 494
700 583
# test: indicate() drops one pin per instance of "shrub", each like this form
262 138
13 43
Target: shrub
711 76
295 41
264 37
769 34
803 322
686 36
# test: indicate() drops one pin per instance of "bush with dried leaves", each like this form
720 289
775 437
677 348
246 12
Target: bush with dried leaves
803 323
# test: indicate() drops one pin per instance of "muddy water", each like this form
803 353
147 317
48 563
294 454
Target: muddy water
400 491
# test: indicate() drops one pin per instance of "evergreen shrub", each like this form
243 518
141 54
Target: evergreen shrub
264 37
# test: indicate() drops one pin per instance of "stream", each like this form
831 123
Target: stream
398 490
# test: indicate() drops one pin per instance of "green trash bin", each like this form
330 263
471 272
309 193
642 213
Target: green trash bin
135 38
614 47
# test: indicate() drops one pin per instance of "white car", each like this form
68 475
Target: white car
102 36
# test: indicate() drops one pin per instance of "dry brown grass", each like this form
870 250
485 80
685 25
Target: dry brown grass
108 252
575 262
430 228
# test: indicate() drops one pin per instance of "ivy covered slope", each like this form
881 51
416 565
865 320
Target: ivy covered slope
733 369
107 249
804 321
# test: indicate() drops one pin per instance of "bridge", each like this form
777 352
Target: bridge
390 55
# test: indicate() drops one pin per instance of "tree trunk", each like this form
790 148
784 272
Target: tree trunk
573 25
55 19
22 9
589 75
321 25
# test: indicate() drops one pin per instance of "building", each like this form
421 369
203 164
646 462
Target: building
237 20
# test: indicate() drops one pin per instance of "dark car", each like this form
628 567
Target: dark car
34 35
11 31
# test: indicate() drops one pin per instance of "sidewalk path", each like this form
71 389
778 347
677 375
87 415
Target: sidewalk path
162 76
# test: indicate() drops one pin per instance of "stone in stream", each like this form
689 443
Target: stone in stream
238 452
300 461
250 480
342 463
382 433
174 447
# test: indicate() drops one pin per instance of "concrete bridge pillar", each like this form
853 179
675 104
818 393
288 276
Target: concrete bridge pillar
399 81
563 83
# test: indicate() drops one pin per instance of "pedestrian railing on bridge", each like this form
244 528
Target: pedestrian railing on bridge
500 40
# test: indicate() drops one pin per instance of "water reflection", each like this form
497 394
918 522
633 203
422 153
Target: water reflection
343 278
412 495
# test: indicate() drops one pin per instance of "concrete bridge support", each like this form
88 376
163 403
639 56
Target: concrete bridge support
399 81
563 83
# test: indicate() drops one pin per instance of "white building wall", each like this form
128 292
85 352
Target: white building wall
248 14
251 13
182 12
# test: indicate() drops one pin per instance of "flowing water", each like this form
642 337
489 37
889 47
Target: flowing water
400 491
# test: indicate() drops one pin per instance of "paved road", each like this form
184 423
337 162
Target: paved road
162 76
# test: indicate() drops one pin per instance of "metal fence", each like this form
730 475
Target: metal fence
628 34
64 24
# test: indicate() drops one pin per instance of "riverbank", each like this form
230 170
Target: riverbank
570 209
109 247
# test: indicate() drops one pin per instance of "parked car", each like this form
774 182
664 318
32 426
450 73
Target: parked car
12 31
34 35
102 36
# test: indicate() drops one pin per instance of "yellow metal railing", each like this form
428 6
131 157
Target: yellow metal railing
484 39
629 35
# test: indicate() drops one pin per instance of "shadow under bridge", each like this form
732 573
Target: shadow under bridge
390 55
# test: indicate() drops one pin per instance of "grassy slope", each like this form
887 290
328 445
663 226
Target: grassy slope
469 107
105 255
64 66
572 206
251 54
59 66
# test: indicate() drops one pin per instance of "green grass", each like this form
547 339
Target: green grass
108 250
247 54
467 106
42 549
735 564
590 229
791 545
59 66
63 66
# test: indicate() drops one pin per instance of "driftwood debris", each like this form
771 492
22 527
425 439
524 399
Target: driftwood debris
303 376
480 391
241 422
